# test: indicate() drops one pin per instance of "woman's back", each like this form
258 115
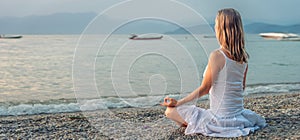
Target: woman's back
226 94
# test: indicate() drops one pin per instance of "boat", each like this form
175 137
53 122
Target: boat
10 36
281 36
291 39
209 36
136 37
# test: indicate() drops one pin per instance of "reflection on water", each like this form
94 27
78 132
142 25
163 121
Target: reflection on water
39 67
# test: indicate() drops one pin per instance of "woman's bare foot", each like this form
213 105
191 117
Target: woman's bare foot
183 125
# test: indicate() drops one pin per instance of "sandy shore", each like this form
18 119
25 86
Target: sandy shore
282 112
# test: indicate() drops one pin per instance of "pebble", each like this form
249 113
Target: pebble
281 112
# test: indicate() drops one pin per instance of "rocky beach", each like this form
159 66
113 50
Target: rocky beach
281 111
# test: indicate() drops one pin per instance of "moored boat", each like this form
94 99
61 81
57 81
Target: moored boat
136 37
281 36
10 36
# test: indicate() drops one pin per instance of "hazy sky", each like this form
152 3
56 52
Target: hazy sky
268 11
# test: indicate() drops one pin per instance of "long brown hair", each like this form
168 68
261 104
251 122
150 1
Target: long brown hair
230 34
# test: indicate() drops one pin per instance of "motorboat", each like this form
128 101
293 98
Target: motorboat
291 39
281 36
10 36
136 37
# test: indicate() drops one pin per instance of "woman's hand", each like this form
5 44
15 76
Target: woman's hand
169 102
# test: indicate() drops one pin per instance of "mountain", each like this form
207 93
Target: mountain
145 26
253 28
60 23
199 29
263 27
75 23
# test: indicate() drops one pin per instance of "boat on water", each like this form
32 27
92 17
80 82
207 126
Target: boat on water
10 36
281 36
209 36
136 37
291 39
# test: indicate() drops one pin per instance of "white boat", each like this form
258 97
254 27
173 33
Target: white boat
10 36
281 36
291 39
136 37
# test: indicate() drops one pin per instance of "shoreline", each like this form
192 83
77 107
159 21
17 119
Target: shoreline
71 105
281 111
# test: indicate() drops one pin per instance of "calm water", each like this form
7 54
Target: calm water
37 71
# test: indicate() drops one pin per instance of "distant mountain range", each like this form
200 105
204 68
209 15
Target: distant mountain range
75 23
262 27
253 28
61 23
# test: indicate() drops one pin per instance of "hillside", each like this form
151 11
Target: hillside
253 28
262 27
75 23
60 23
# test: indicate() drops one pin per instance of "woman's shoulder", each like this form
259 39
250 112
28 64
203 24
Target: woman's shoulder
216 55
217 59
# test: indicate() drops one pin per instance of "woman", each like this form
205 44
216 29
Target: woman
224 80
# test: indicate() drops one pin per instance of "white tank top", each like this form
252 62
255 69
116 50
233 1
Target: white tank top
226 93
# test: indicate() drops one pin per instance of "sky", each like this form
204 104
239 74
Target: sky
267 11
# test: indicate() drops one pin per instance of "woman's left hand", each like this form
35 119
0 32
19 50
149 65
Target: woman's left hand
169 102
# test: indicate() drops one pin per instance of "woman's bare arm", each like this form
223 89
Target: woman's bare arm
245 77
213 68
